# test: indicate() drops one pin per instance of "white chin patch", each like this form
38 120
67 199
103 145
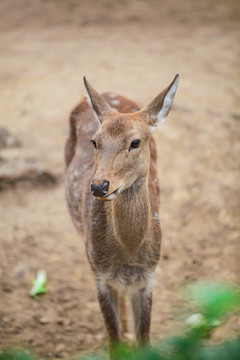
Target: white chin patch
114 194
111 196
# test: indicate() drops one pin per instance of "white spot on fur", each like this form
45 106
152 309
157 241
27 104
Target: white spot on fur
85 166
88 126
134 109
76 194
155 216
112 95
115 102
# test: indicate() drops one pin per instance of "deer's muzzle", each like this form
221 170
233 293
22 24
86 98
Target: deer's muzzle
99 190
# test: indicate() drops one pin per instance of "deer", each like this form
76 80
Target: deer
113 197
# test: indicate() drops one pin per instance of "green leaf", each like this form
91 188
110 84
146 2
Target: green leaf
39 284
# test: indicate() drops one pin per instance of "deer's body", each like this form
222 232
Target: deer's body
122 236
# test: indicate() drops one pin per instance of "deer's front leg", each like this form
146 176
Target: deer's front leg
141 303
108 301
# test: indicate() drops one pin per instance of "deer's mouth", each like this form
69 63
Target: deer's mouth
112 196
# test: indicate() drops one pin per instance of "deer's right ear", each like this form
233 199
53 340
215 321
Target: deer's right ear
157 111
99 105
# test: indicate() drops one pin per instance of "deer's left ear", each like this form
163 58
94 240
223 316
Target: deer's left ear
99 105
158 109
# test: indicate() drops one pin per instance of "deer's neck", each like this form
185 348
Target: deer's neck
131 215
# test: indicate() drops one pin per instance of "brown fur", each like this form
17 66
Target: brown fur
122 236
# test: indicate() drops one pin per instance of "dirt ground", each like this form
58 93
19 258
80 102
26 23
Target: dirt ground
134 48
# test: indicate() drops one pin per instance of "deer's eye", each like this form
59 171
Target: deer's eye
94 143
135 144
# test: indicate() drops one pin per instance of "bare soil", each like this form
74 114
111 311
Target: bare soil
134 48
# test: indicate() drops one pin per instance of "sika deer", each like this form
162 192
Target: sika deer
112 193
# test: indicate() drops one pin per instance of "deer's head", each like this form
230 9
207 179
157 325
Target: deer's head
121 145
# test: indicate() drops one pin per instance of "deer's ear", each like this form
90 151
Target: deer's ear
158 109
99 105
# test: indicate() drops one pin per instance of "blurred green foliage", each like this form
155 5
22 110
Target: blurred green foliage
213 303
16 354
215 299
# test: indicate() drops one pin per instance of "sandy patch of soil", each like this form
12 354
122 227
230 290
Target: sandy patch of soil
134 48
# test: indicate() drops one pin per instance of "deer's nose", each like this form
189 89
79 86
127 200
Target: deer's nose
99 190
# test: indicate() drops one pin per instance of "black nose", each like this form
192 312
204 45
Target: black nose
100 190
